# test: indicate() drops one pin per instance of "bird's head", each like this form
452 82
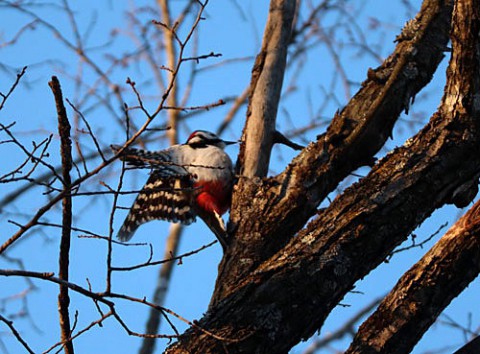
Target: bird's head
203 138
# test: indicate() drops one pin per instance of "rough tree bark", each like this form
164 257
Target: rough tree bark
420 295
274 289
267 213
265 88
429 286
471 347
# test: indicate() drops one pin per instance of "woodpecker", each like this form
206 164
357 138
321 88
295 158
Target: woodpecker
187 180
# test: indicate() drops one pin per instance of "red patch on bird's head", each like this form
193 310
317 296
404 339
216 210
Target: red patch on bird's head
192 135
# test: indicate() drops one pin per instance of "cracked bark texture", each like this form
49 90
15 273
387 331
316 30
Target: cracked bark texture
278 282
420 295
266 213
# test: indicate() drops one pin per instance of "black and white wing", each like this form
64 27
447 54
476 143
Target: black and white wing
160 161
161 198
167 195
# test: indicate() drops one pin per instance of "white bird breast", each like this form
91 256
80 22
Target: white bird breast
207 164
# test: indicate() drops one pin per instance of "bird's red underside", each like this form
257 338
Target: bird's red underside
213 196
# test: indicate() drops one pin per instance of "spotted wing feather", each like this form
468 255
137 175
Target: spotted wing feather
159 160
161 198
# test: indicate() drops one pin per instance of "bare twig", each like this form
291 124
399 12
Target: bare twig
110 231
420 244
160 308
16 334
171 258
49 276
195 108
90 132
204 56
349 327
87 328
42 147
4 97
279 138
30 155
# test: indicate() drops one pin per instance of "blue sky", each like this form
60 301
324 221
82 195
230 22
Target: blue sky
234 29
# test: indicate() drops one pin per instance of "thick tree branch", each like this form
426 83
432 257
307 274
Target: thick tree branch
288 297
471 347
265 89
266 214
424 291
171 53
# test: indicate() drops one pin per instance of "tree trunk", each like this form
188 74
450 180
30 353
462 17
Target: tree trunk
266 213
274 289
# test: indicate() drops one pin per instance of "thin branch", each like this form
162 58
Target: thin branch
421 244
90 132
49 276
169 258
141 335
279 138
160 308
16 334
64 257
195 108
29 26
108 281
204 56
12 88
30 154
349 327
30 157
79 333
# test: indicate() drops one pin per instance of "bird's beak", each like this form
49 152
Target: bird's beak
230 142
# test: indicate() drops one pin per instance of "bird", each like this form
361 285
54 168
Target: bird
186 180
